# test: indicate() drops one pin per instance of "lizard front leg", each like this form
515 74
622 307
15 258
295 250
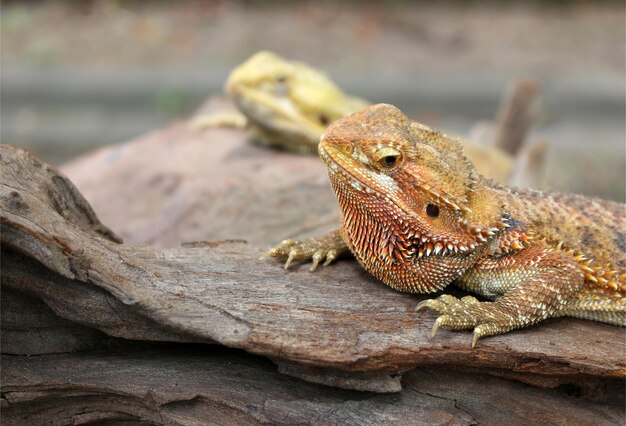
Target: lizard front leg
327 247
226 119
529 286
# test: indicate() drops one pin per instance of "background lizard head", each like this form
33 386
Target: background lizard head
288 99
414 210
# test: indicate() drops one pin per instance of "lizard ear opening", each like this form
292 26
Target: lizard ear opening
432 210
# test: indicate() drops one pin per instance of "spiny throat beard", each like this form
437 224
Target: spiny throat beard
389 246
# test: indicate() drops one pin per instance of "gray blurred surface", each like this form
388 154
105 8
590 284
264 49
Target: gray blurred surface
76 77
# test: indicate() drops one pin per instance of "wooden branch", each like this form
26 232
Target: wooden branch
339 318
515 116
529 167
191 384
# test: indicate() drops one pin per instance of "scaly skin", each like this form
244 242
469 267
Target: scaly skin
417 216
288 105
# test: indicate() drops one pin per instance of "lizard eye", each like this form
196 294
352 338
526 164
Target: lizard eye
388 157
389 161
432 210
281 88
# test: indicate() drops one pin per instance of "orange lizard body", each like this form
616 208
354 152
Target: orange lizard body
416 215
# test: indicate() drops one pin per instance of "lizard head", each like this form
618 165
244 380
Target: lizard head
414 211
287 99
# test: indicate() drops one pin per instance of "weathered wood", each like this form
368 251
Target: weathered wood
191 385
515 117
179 185
529 170
88 305
338 318
30 327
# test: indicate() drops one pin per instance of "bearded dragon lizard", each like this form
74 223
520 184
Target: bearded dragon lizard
417 216
288 104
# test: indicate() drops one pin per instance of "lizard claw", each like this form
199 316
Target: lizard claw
317 257
485 329
479 332
466 313
280 250
438 323
317 250
424 304
475 337
292 254
267 254
330 256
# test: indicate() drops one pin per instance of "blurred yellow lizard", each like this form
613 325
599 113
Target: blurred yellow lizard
288 104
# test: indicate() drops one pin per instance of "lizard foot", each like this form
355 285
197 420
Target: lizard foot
324 249
227 119
301 250
486 318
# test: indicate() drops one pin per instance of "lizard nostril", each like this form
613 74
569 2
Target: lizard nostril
348 149
327 142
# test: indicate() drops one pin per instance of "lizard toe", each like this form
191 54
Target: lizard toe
431 304
444 305
469 300
485 329
448 299
292 255
438 323
317 258
316 250
330 256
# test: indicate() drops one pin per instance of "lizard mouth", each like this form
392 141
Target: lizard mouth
273 110
340 164
407 241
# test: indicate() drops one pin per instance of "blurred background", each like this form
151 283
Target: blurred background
80 74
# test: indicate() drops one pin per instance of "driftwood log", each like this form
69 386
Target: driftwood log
70 285
515 117
195 385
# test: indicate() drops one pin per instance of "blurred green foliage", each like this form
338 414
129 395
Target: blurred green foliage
168 102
